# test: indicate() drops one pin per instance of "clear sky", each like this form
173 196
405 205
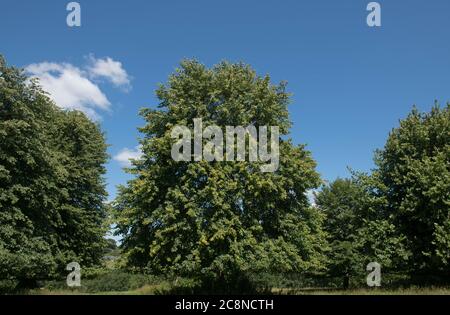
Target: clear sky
350 83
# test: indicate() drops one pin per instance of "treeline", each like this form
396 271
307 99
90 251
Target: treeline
399 215
52 190
216 223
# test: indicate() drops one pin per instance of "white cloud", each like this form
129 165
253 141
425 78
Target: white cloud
125 155
109 69
74 88
311 197
69 87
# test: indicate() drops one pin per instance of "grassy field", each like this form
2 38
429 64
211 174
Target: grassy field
156 289
145 290
120 282
402 291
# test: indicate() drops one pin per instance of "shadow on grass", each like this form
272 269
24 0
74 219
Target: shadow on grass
238 284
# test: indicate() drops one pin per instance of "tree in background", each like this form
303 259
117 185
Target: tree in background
358 232
82 210
51 186
340 201
398 216
219 220
413 171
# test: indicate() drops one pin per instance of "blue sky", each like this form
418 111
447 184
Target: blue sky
350 83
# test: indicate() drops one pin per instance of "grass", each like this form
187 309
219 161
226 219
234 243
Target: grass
116 282
378 291
152 289
148 289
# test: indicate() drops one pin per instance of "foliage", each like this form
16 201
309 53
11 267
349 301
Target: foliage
106 281
218 220
358 233
51 186
399 215
117 281
414 170
213 226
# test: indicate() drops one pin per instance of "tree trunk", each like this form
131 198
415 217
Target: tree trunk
27 284
346 282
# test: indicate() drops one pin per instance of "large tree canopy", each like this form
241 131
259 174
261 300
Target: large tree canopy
399 215
51 186
413 173
358 232
219 218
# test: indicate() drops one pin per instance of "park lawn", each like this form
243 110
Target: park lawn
400 291
152 289
145 290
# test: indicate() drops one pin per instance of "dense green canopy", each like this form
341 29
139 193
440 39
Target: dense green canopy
413 172
399 215
51 185
218 219
358 232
